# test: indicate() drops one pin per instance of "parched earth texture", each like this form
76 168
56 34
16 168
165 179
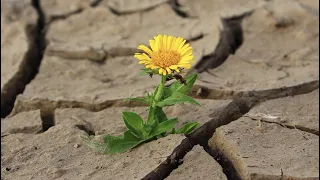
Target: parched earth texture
66 67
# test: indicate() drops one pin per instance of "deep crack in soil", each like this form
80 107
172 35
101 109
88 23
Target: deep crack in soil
47 120
172 162
178 9
30 64
227 166
231 38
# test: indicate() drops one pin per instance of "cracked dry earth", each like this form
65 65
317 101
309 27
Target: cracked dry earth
66 67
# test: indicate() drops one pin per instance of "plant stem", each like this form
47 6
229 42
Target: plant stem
157 97
159 93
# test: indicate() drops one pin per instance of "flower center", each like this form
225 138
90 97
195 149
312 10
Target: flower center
165 58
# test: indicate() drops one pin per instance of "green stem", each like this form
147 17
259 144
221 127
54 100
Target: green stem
159 93
157 97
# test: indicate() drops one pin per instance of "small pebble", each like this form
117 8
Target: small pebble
76 145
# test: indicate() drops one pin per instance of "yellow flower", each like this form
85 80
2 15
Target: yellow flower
167 53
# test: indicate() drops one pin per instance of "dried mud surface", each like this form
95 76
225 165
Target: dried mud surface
67 66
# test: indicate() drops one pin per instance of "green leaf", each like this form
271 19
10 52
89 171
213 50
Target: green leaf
122 144
112 144
156 114
149 98
178 87
151 115
134 123
145 72
160 115
163 127
187 128
176 98
148 71
156 90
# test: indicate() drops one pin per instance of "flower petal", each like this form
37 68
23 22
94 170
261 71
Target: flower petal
143 62
176 44
181 45
174 67
185 50
169 41
168 70
158 40
164 41
186 59
172 43
153 67
160 71
153 45
145 49
187 66
164 72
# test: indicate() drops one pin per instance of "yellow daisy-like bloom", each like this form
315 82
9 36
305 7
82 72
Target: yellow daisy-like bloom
167 53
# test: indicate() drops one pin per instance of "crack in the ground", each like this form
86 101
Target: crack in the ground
231 38
54 18
47 120
95 3
236 109
172 162
179 10
64 16
89 131
141 10
101 54
95 55
297 127
202 92
30 63
227 166
120 51
49 106
195 38
198 92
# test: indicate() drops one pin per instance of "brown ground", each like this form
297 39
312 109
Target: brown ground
66 67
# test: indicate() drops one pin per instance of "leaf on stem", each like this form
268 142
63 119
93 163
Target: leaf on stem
163 127
160 115
187 128
122 144
146 71
177 98
178 87
134 123
151 115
